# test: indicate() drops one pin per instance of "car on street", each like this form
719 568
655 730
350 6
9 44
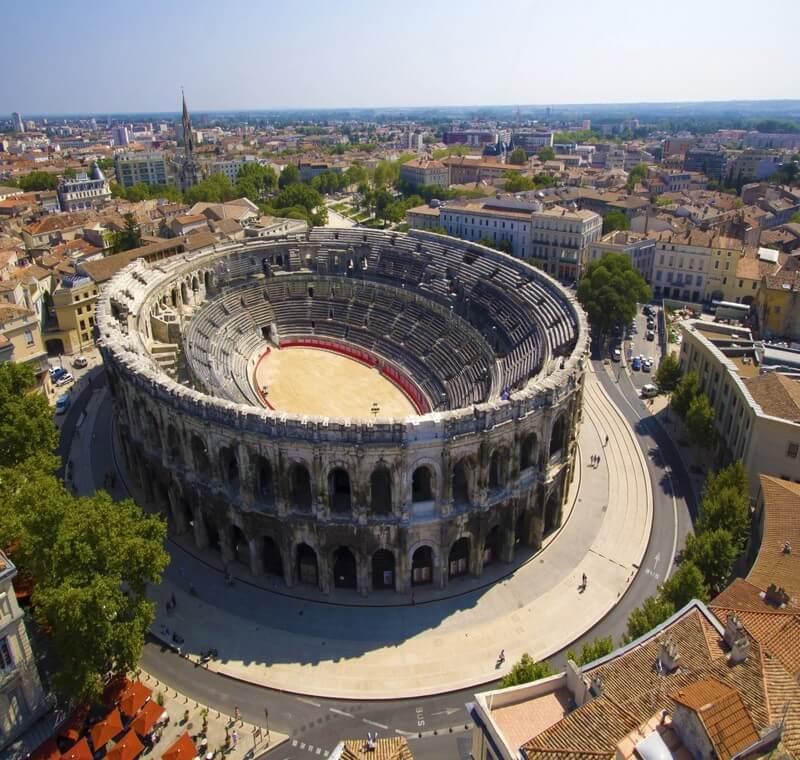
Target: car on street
647 365
64 379
650 335
649 390
647 310
636 364
80 362
62 403
56 372
616 355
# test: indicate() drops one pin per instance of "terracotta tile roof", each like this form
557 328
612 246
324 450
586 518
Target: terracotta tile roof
776 394
183 749
127 748
148 716
722 713
392 748
104 731
79 751
134 698
784 702
55 222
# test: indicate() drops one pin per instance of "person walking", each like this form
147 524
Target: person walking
584 580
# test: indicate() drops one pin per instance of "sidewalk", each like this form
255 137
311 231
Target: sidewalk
352 652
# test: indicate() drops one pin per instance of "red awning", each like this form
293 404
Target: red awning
127 748
80 751
47 751
104 731
72 730
183 749
134 698
148 716
115 688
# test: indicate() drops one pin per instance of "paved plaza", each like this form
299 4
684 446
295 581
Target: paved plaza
404 649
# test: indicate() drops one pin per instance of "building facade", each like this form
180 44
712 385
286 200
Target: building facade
84 192
146 167
639 248
424 171
560 239
504 223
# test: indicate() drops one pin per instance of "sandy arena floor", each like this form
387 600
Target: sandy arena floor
311 381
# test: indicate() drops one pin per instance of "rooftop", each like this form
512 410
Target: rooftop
776 394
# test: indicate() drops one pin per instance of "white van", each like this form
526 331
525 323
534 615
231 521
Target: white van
649 390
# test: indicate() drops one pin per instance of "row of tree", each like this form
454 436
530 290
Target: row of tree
89 560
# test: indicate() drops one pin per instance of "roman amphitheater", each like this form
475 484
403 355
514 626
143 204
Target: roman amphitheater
350 408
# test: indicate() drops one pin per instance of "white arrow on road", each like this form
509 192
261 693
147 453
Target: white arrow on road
446 711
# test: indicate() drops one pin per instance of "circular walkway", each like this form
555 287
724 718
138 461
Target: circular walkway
359 652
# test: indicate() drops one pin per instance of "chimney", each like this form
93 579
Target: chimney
739 650
668 657
776 596
596 686
733 629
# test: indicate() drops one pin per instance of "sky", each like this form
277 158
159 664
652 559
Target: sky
86 56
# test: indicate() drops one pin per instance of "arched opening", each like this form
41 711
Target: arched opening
174 447
265 332
184 294
496 471
174 297
380 483
527 452
264 483
54 346
421 487
195 284
344 568
151 431
458 562
520 531
230 467
491 546
160 497
186 513
200 455
422 566
747 300
551 513
339 490
383 570
212 531
300 487
207 281
240 548
307 565
271 557
461 480
558 435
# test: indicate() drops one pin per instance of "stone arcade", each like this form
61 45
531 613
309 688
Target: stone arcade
494 349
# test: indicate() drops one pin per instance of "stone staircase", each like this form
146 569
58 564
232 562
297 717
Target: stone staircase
166 355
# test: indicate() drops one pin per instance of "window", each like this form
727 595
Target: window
6 660
791 450
28 338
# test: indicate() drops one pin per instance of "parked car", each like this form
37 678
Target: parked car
649 390
647 365
647 310
62 403
616 355
80 362
650 335
636 364
65 379
56 372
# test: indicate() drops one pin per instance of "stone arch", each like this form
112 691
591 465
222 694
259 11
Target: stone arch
458 559
383 570
345 568
240 547
552 512
491 546
300 486
422 564
498 469
307 564
462 482
174 446
522 529
229 464
207 281
202 464
559 434
380 490
195 284
340 498
184 294
213 533
422 484
151 430
264 482
528 450
174 297
271 557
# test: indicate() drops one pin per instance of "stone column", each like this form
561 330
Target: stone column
246 479
363 581
256 560
324 572
200 531
225 544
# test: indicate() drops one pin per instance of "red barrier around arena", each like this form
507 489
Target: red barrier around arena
389 371
260 393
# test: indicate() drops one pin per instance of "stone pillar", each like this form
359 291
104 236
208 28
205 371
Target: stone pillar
288 562
507 539
477 543
280 484
226 545
324 573
256 560
402 572
246 479
200 531
178 516
363 580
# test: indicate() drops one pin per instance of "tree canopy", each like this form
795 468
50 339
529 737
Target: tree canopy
685 584
654 610
637 174
216 188
38 181
591 650
713 553
610 291
668 374
254 181
525 671
700 421
685 392
547 154
518 156
615 220
289 175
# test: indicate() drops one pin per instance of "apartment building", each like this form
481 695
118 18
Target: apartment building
471 169
713 162
22 699
84 192
532 140
74 302
21 341
149 167
757 416
424 217
778 305
753 266
474 137
425 171
754 163
638 247
560 238
505 223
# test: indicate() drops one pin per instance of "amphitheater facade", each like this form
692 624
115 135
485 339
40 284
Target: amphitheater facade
489 351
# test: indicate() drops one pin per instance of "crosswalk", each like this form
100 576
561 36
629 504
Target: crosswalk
310 748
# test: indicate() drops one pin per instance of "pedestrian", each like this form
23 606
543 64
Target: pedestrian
584 580
234 737
236 713
606 443
172 599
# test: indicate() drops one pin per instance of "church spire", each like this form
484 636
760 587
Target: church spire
188 138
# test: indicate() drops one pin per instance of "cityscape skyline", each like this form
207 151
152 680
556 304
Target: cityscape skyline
371 58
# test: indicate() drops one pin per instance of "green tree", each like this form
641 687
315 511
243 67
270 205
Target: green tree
727 509
685 391
254 181
668 374
131 236
69 173
795 218
700 421
355 174
518 156
610 291
514 182
713 552
386 173
525 671
591 651
685 584
290 174
26 419
637 174
328 182
216 188
654 611
138 192
547 154
38 181
615 220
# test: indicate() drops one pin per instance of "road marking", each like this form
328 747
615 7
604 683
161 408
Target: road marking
309 702
319 751
404 733
675 521
447 711
302 745
341 712
377 725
